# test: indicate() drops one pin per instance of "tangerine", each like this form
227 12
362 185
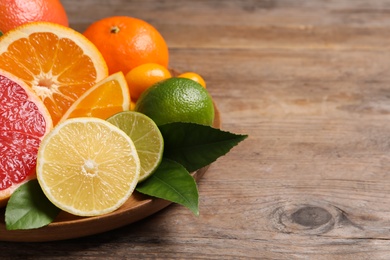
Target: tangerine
127 42
14 13
142 77
194 76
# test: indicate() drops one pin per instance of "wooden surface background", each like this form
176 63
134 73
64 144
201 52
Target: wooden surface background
309 81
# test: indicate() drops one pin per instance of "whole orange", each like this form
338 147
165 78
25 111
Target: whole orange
127 42
17 12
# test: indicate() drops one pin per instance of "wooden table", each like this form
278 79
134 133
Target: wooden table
309 81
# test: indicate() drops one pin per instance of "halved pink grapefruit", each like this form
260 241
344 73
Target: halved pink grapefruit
24 120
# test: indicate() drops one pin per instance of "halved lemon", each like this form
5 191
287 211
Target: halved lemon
87 166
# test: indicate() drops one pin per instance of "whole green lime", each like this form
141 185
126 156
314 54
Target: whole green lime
177 100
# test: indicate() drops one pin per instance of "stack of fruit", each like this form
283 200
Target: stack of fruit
93 116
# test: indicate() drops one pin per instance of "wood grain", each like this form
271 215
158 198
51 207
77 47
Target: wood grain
309 81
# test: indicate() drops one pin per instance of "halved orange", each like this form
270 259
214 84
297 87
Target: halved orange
106 98
57 62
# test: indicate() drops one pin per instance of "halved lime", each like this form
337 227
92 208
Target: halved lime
146 136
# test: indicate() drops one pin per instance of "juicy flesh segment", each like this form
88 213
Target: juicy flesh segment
102 102
21 128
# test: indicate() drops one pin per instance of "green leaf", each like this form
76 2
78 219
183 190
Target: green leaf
171 181
29 208
195 146
1 33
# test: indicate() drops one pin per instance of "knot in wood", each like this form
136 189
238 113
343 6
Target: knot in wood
311 216
305 218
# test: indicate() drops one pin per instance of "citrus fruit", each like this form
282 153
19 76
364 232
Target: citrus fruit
194 76
106 98
143 76
177 100
132 105
127 42
146 136
87 166
58 63
14 13
24 120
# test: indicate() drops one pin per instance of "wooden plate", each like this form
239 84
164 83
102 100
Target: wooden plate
67 226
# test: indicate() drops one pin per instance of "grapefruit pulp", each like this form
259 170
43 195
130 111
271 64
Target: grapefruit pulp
24 120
